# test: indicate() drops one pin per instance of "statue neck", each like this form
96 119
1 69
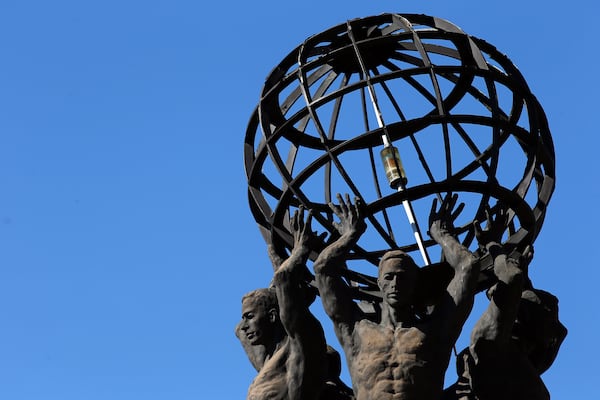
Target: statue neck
274 346
397 317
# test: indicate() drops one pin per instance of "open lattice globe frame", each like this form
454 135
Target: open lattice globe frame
460 113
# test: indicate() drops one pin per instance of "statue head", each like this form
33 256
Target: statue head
397 278
538 329
260 316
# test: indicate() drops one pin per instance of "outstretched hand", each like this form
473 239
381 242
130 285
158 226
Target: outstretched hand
442 221
351 216
304 237
495 227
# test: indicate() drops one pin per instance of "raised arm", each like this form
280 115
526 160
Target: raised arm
307 347
276 259
496 323
334 292
457 305
292 276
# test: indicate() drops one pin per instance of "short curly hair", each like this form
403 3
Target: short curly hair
407 259
264 297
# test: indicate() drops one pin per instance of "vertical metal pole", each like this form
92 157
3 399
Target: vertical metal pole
410 214
386 143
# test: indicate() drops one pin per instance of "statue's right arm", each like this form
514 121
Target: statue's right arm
496 323
457 304
333 290
290 274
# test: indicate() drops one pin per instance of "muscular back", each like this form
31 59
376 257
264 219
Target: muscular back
401 363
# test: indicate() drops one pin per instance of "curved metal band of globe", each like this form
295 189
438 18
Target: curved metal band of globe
406 129
288 130
468 45
293 197
278 231
272 113
354 56
369 139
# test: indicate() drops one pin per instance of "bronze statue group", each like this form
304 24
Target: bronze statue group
404 352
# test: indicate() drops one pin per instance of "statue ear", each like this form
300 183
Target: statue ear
273 315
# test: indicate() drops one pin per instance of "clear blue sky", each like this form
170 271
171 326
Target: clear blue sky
126 241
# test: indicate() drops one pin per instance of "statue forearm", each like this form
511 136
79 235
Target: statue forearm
296 262
333 256
497 321
508 270
332 289
287 282
336 299
461 289
335 296
457 255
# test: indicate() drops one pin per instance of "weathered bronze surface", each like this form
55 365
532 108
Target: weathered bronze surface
283 340
404 355
459 111
460 121
513 343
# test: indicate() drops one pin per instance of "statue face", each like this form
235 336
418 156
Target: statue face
539 327
397 282
257 322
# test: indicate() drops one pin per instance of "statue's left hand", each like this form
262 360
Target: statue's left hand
442 221
495 227
351 216
304 237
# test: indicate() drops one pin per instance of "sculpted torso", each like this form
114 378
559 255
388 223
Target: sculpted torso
400 363
403 357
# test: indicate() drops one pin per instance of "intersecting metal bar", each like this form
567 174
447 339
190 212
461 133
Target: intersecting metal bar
386 143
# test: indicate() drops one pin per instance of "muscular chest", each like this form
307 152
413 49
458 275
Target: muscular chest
395 363
373 338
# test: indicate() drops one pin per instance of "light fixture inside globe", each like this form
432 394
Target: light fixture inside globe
392 164
457 110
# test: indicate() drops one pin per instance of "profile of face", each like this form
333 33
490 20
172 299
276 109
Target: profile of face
539 328
258 321
397 279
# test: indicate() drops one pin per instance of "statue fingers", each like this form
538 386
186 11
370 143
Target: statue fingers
433 212
336 209
307 224
457 212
